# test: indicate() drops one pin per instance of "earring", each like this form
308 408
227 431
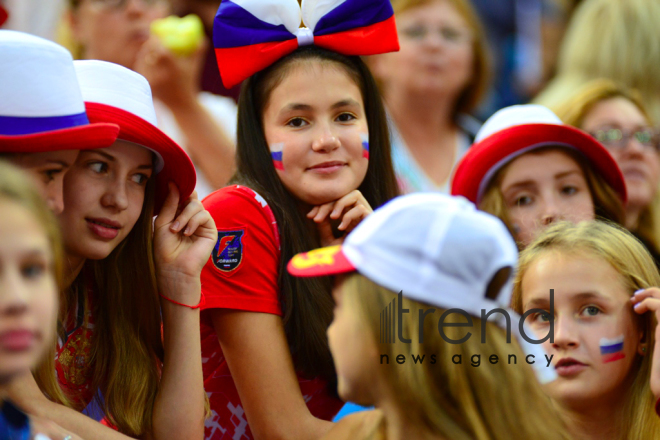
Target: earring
643 349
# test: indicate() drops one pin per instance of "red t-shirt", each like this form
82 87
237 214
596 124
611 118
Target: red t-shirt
242 274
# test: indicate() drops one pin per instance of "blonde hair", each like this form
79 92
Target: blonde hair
606 201
576 108
615 39
475 90
632 261
460 402
18 188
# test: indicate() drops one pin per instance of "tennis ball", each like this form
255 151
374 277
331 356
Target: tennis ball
182 36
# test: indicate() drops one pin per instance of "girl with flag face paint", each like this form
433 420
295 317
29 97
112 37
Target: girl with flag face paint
603 328
313 159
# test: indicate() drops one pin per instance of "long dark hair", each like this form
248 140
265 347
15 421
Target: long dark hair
306 302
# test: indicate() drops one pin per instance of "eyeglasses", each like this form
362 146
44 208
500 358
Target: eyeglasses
121 4
448 34
613 137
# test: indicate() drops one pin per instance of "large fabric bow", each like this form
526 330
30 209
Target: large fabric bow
250 35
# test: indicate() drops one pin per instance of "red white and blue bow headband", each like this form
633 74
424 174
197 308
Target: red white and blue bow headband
250 35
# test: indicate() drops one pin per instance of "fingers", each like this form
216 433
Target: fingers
353 217
170 206
184 221
645 300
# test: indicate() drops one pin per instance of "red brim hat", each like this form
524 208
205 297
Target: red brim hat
177 166
82 137
324 261
479 165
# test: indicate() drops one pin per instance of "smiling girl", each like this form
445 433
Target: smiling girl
112 359
603 352
530 170
313 159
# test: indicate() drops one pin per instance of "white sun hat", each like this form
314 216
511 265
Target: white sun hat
41 107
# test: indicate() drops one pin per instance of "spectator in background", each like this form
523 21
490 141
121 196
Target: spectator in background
617 118
611 39
429 86
118 31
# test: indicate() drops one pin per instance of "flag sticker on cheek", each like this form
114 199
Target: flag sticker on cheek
276 154
612 349
365 145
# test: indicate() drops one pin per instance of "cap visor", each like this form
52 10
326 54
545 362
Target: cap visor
324 261
82 137
178 167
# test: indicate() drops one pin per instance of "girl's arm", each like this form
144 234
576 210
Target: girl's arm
182 245
257 352
25 393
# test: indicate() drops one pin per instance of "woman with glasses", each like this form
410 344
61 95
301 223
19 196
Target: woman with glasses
118 31
616 117
429 86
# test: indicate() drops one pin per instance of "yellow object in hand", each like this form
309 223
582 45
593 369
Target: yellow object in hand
182 36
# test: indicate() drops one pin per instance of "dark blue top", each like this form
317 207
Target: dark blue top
14 424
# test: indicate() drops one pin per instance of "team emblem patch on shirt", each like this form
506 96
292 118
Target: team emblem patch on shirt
228 251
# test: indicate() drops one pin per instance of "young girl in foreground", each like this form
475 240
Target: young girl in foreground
30 268
439 253
313 158
603 348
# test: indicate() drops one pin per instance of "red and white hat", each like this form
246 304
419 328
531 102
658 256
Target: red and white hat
115 94
519 129
41 108
433 248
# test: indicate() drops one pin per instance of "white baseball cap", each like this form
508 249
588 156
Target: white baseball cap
437 249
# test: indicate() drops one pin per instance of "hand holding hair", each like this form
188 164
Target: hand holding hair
648 300
182 245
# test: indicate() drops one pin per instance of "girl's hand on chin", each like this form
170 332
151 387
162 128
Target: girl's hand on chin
183 239
351 209
648 300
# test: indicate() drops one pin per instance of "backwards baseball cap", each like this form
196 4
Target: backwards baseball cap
113 93
41 107
519 129
437 249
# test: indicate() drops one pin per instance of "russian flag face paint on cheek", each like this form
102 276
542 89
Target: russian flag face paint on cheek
612 349
276 155
365 145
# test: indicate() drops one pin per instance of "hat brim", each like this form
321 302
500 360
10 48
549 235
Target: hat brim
489 155
177 167
319 262
82 137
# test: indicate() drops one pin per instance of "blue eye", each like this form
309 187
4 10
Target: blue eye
33 270
569 190
523 200
541 317
591 311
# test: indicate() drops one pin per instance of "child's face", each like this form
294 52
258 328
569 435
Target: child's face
593 315
104 193
315 125
545 187
47 170
28 291
353 350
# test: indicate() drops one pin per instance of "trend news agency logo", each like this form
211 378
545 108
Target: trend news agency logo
391 328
